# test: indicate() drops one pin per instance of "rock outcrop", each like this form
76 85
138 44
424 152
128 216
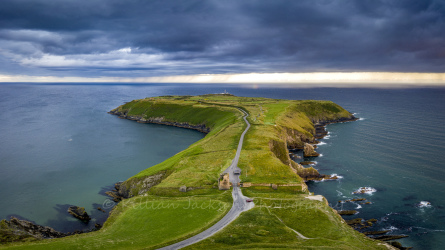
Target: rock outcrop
135 186
79 213
224 182
20 230
183 189
347 212
309 151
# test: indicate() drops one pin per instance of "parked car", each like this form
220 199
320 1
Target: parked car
237 171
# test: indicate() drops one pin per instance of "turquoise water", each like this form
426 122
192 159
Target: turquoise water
59 146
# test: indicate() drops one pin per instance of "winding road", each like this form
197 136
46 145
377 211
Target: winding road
239 200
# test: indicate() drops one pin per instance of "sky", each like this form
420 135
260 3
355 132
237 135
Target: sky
229 40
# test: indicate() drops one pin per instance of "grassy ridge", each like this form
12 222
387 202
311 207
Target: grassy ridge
276 124
276 217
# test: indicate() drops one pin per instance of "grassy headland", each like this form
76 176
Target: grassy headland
283 217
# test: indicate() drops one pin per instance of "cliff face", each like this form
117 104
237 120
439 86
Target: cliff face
301 125
161 120
309 151
281 151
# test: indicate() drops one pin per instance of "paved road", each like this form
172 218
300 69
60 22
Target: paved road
239 200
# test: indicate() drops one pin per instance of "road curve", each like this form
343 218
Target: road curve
239 200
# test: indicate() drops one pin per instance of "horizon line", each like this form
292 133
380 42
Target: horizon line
308 78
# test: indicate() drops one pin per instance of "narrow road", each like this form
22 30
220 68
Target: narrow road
239 200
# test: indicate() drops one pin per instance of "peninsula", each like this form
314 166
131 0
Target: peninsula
191 191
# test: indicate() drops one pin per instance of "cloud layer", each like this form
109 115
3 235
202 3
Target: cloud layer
111 38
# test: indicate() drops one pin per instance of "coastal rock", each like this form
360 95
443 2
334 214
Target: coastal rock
183 189
79 213
307 163
135 186
376 232
355 222
274 186
309 151
390 237
365 190
352 200
347 212
398 245
115 195
20 230
308 174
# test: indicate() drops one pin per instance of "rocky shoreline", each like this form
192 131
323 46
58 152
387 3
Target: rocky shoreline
308 145
358 224
19 230
160 120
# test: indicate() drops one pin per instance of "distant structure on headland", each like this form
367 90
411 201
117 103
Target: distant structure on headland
224 93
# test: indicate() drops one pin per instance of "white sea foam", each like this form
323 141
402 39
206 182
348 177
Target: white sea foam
391 228
358 206
424 204
327 137
336 175
321 155
339 193
361 119
70 139
321 143
365 190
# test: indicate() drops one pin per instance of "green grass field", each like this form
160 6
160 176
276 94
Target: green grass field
264 160
146 222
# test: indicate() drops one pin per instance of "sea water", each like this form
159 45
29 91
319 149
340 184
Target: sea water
58 146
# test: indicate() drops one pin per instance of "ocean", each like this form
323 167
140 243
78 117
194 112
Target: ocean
59 147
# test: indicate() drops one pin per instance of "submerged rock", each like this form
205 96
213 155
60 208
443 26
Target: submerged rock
79 213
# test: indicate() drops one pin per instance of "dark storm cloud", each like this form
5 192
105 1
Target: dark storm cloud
149 38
